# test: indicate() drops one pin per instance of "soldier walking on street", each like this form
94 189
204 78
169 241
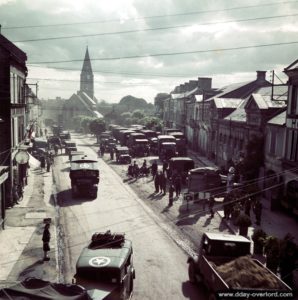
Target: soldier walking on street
171 194
258 211
154 169
211 205
163 183
46 237
156 183
177 184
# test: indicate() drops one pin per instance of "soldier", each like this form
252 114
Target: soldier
211 204
258 211
177 184
112 154
154 168
46 240
171 194
162 183
156 183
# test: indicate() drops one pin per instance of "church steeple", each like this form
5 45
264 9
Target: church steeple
87 77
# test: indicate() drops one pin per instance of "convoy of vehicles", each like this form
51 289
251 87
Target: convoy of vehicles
84 176
105 267
216 250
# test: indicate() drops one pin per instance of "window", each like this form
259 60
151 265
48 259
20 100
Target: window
272 142
294 100
292 151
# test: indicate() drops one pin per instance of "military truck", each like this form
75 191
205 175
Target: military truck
84 176
224 264
105 267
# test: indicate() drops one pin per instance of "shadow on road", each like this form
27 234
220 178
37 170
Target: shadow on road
191 291
65 199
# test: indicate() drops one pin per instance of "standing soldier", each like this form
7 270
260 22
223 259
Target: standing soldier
211 204
171 193
177 184
154 169
156 183
48 162
46 237
163 183
102 149
112 154
247 206
165 166
258 211
42 162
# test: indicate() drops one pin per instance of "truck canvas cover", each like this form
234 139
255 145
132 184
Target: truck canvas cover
37 289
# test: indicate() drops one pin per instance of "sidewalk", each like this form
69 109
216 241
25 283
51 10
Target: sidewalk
21 253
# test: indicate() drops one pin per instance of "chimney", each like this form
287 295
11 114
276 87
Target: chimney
205 83
261 75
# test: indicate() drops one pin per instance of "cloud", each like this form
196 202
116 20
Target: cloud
119 15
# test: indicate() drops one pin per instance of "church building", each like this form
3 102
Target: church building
83 103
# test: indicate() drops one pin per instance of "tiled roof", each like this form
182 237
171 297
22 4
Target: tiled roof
185 94
280 92
226 102
280 119
265 102
239 114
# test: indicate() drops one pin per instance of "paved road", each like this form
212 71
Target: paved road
161 269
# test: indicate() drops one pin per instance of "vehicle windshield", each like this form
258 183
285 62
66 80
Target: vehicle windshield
99 275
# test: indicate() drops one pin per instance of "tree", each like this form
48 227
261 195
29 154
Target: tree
85 121
253 159
138 114
97 126
159 101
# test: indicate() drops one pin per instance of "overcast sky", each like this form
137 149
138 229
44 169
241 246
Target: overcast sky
186 28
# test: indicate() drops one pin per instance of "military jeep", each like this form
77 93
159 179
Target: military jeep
105 267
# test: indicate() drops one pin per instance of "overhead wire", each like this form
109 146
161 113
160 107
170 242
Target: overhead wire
171 53
151 29
152 17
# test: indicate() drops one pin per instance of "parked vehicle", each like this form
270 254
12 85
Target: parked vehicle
217 249
205 180
149 134
39 147
181 142
153 145
133 137
124 136
167 150
105 267
70 146
122 155
167 131
181 165
139 148
84 175
164 139
74 154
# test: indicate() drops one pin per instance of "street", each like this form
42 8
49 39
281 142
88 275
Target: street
161 268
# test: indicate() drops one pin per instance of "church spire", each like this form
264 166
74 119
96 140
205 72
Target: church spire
87 64
87 76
